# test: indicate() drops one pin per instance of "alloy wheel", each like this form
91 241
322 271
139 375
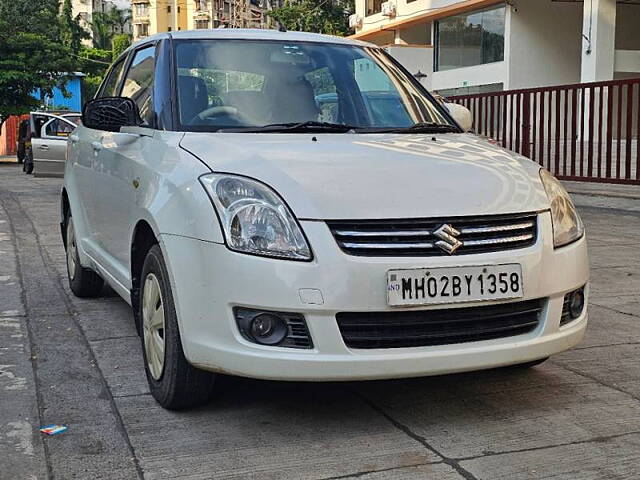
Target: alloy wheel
153 325
71 250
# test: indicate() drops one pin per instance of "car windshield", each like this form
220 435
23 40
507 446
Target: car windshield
292 86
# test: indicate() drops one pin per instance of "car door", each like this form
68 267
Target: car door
115 166
86 145
50 149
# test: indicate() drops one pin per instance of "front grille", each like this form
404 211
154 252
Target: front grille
298 335
438 327
419 237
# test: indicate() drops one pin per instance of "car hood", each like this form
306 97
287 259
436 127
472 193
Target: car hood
366 176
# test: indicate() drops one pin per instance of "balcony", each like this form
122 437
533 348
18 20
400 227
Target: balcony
201 15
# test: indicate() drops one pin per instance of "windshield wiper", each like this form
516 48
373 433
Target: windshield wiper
420 127
310 126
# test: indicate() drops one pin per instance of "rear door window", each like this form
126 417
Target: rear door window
58 128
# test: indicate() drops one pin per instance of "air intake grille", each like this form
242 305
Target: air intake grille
438 327
423 237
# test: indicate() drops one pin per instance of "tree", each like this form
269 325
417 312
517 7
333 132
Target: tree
119 18
94 63
32 57
324 16
71 33
102 30
120 43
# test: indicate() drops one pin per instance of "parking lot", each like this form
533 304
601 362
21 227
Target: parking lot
65 360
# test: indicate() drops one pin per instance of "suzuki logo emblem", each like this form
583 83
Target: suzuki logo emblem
448 241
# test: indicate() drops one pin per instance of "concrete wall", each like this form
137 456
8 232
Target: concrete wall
181 22
470 76
628 27
543 44
403 9
415 59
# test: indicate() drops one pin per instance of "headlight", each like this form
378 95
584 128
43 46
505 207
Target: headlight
567 225
254 218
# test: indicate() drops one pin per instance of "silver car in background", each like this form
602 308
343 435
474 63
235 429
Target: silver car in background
49 134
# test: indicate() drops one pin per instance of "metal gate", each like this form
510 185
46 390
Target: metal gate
586 131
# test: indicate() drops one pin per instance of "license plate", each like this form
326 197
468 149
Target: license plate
430 286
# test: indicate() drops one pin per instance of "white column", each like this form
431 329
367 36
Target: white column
397 37
599 41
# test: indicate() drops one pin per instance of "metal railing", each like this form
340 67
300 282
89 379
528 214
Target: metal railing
586 131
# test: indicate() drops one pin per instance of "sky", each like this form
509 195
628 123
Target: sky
122 3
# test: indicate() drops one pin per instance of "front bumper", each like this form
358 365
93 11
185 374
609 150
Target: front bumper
208 280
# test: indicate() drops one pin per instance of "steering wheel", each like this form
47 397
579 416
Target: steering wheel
218 111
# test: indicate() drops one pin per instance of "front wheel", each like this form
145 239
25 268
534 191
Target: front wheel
173 382
84 283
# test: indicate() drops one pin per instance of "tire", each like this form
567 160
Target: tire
527 365
84 283
173 382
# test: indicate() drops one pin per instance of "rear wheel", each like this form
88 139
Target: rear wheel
83 281
173 382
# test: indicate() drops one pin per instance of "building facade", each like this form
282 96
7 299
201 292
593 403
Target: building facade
85 9
477 46
154 16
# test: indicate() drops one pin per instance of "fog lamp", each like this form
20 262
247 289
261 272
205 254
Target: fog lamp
268 329
276 329
576 303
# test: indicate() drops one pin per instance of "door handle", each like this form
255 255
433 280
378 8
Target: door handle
43 147
97 146
74 138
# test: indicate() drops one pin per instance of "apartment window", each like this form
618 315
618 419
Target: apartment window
168 8
201 5
374 6
470 39
168 29
141 9
142 30
202 24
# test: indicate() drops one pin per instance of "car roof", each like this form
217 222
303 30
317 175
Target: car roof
251 34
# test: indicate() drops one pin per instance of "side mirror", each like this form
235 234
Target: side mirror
110 114
461 114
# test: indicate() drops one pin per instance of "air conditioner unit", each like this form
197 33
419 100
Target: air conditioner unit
355 21
389 9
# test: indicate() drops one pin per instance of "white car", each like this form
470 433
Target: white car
259 230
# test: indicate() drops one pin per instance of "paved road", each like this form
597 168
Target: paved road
78 362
